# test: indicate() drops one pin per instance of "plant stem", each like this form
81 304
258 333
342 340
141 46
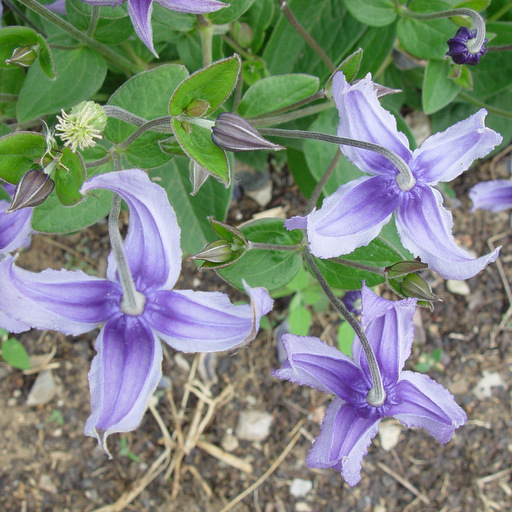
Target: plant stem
133 301
320 185
294 22
272 247
291 116
93 22
491 109
206 31
353 264
115 58
478 21
377 395
317 96
405 178
149 125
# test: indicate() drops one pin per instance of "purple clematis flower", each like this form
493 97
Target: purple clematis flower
140 13
15 229
494 195
127 367
356 212
350 423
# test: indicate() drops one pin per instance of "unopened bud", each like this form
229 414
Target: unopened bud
233 133
243 34
197 108
415 286
23 56
459 48
34 187
229 233
404 267
85 123
216 252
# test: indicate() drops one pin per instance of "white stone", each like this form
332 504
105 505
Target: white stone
389 434
489 380
300 487
253 425
458 287
43 389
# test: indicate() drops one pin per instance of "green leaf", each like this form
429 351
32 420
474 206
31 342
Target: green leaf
80 73
319 155
426 39
53 217
271 269
11 81
438 88
476 5
227 14
259 17
212 84
69 177
18 153
15 354
114 25
16 37
503 31
196 142
376 13
299 321
192 211
329 24
275 92
146 95
345 338
492 75
464 78
377 253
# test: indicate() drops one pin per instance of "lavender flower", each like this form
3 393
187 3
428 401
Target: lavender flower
356 212
140 13
494 195
15 227
127 366
350 422
458 47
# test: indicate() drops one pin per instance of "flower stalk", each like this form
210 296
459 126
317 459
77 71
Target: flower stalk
377 395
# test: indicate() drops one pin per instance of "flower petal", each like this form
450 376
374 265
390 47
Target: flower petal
15 228
67 301
424 226
311 362
495 195
343 441
445 155
123 376
140 14
192 321
362 117
390 330
351 217
425 403
193 6
152 244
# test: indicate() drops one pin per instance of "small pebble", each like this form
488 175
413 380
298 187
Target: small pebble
300 487
458 287
301 506
253 425
229 442
43 390
484 387
46 484
389 434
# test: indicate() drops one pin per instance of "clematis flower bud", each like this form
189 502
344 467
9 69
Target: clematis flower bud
23 56
415 286
233 133
34 187
85 123
404 267
460 51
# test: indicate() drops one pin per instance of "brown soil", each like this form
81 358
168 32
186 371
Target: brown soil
49 465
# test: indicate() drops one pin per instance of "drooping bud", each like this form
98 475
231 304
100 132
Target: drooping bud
23 56
460 48
404 267
415 286
85 123
233 133
33 188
